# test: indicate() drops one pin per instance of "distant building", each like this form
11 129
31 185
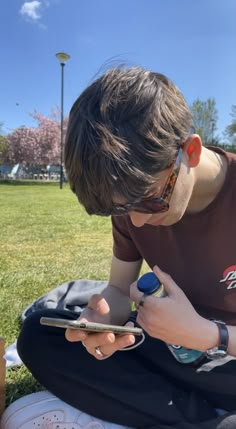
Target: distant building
5 170
18 172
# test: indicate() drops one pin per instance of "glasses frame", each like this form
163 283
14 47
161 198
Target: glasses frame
157 204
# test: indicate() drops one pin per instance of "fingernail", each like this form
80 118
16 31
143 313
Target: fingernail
111 338
130 323
130 340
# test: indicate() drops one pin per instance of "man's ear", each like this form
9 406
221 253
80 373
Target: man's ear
193 149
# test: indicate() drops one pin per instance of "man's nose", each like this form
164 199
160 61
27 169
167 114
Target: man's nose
139 219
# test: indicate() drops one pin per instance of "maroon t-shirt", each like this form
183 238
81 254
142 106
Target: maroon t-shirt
199 251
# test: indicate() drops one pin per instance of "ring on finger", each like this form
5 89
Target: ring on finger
141 301
99 352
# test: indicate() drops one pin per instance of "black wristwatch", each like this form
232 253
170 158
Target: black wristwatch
222 350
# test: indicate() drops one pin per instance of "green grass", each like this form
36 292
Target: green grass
46 239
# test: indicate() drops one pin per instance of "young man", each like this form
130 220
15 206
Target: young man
131 153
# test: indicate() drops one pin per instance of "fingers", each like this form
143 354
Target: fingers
95 344
108 343
98 304
73 335
170 286
135 295
96 310
144 303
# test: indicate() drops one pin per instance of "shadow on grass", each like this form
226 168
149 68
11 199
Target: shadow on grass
19 382
28 182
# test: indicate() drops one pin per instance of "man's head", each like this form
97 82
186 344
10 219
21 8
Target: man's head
124 130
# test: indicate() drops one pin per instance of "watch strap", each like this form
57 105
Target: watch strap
223 335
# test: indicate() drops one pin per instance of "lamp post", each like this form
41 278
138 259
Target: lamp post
62 57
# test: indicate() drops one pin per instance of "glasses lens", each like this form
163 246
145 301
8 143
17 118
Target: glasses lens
156 205
119 210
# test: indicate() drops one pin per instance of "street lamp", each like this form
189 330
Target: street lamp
62 57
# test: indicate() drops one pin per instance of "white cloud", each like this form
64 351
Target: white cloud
30 9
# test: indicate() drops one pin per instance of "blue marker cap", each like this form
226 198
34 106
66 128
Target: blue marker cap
148 283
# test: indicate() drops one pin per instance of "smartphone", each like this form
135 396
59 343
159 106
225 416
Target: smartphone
89 326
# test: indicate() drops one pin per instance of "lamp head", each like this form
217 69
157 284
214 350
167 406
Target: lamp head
62 57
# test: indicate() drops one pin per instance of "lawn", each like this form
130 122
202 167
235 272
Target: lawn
46 239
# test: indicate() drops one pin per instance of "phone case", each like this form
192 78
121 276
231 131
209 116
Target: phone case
89 326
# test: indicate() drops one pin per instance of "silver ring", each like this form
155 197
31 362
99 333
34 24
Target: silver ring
99 352
141 301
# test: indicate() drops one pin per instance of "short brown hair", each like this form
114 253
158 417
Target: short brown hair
123 129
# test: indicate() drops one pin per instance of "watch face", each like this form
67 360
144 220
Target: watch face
216 353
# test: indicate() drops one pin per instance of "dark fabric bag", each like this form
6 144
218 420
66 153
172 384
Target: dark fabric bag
71 296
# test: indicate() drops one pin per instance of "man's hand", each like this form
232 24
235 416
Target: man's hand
173 319
98 311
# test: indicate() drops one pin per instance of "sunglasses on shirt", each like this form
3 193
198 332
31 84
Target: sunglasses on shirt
153 205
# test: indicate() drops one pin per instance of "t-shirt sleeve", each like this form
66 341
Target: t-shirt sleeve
123 246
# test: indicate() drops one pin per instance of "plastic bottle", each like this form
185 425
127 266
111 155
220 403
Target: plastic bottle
149 284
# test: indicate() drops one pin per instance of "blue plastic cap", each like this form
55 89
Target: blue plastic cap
148 283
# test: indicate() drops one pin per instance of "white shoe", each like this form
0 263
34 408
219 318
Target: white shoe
42 410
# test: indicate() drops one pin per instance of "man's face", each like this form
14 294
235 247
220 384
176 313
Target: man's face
178 203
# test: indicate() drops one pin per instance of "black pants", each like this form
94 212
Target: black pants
141 388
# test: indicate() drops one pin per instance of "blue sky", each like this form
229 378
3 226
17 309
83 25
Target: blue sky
191 41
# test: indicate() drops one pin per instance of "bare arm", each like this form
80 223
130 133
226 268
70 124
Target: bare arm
112 306
117 292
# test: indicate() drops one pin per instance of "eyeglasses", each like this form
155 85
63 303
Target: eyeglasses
153 205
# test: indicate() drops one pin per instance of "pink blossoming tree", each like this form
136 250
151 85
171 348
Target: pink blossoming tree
39 145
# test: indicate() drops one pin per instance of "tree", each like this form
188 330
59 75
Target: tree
4 147
49 137
39 145
23 144
205 118
230 131
4 150
1 128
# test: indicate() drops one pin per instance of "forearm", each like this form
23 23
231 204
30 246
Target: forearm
211 337
117 293
119 303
